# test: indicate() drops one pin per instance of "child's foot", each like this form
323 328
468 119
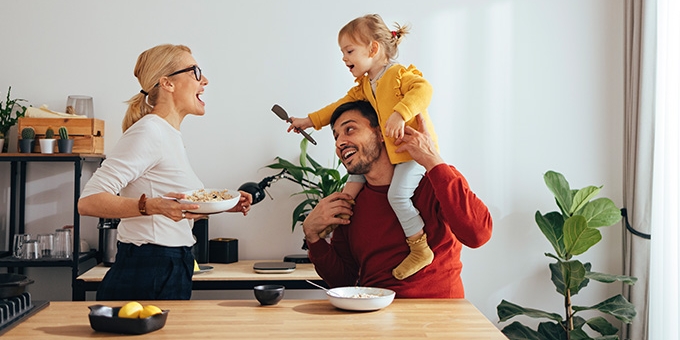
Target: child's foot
420 256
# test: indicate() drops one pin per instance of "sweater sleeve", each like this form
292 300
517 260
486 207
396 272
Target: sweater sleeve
322 117
415 92
333 262
466 214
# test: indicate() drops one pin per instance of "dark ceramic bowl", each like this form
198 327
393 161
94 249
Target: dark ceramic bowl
269 294
105 319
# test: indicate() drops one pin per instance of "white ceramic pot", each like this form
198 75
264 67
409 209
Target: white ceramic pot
47 145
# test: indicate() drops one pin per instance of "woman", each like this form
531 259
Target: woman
149 164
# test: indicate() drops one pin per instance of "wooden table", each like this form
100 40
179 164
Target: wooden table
290 319
224 276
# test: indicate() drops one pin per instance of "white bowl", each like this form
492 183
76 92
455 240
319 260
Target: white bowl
212 207
360 298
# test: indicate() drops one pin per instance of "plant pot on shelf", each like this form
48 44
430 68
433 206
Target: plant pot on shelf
26 145
47 145
2 144
65 145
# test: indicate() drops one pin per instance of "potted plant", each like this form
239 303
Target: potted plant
10 112
65 144
27 140
315 180
47 143
572 231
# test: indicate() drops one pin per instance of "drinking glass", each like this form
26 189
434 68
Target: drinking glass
80 105
31 250
46 242
19 240
63 244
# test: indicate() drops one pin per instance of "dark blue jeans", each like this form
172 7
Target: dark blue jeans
148 272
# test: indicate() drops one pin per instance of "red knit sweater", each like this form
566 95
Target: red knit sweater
365 251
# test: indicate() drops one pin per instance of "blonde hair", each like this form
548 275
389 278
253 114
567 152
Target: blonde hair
152 65
370 28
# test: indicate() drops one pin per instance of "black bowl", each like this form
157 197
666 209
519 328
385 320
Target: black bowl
105 319
269 294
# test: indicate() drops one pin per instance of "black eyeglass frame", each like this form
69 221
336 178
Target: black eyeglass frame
197 73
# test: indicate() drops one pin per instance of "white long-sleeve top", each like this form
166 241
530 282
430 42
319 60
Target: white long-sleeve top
150 158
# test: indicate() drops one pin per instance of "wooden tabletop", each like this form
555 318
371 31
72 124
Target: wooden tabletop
290 319
237 271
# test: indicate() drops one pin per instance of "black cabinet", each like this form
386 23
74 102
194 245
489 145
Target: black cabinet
19 163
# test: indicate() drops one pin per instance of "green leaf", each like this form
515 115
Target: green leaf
559 186
602 326
517 331
551 331
570 274
507 310
609 278
551 225
578 238
579 334
616 306
601 212
582 197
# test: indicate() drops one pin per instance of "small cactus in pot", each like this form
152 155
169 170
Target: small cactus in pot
64 144
28 133
63 133
47 143
27 140
49 133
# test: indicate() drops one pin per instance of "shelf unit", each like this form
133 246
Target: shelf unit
19 163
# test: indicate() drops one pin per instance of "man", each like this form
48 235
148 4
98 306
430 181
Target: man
364 249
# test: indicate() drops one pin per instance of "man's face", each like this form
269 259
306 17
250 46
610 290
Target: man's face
357 144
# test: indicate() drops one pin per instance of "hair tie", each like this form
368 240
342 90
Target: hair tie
144 92
394 34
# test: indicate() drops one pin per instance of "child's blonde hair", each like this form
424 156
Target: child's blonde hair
370 28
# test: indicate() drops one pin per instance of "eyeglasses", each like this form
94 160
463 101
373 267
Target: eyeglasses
195 68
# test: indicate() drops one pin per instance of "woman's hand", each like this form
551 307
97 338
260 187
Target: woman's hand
244 203
326 213
170 207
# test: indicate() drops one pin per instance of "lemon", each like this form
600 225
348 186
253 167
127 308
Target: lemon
130 310
196 267
149 310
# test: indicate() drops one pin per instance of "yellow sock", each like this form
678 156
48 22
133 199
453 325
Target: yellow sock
420 256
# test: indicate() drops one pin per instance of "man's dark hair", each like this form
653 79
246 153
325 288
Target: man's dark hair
362 106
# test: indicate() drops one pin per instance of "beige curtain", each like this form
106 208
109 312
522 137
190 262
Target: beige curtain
638 156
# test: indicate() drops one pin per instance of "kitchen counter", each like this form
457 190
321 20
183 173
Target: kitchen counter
290 319
223 276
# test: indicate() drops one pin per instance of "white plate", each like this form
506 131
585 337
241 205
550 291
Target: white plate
213 207
203 269
360 298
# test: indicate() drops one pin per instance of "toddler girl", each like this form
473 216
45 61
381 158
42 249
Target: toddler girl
398 94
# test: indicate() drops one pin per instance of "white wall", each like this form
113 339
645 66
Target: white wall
521 87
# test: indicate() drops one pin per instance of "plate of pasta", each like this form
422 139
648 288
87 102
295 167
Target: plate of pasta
211 201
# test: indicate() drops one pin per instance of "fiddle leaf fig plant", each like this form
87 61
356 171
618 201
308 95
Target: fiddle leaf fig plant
572 231
316 181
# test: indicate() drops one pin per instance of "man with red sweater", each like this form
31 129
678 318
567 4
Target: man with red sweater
364 248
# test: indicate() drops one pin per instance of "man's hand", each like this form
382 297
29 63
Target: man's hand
325 214
419 144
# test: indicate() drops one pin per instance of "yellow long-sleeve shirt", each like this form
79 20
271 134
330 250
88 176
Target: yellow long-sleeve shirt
400 89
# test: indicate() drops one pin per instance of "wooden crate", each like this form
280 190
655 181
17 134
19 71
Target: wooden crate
87 133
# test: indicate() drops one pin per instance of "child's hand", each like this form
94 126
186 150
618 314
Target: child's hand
395 126
299 123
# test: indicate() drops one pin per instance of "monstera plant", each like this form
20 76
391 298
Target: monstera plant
572 231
